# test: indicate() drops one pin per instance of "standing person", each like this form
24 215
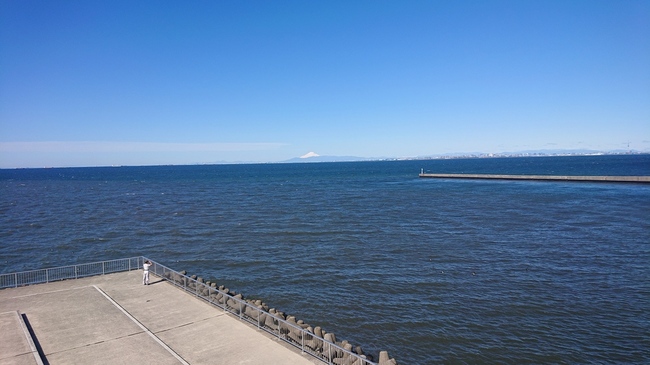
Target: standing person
145 276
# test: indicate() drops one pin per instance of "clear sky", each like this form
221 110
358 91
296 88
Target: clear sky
95 83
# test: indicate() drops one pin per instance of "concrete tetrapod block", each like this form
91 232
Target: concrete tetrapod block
271 323
293 330
329 352
384 359
252 312
302 324
233 305
317 342
343 357
310 341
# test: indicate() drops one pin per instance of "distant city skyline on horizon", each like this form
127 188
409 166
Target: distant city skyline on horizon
312 157
121 83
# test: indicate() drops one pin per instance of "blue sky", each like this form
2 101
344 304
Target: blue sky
95 83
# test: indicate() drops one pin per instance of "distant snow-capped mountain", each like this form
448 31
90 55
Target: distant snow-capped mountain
314 157
310 155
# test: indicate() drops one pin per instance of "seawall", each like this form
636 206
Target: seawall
618 179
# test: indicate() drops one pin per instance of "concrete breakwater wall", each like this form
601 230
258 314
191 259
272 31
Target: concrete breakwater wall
627 179
313 340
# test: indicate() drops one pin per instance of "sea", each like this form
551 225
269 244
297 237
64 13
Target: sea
434 271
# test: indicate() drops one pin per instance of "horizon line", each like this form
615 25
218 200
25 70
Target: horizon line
315 159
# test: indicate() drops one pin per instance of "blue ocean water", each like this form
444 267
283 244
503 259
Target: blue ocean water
432 270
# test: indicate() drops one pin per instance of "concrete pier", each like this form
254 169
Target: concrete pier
114 319
626 179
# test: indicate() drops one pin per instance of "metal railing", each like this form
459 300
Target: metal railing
68 272
289 331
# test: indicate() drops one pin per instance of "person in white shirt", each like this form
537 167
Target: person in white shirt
145 276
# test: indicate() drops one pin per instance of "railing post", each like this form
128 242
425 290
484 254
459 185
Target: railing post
103 267
15 280
329 358
47 275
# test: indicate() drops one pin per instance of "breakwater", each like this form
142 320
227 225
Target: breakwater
313 340
626 179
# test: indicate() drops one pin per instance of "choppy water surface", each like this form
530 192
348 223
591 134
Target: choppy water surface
434 271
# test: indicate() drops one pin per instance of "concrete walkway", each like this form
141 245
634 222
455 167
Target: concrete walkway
114 319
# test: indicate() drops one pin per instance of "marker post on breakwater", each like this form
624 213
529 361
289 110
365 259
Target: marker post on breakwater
618 179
